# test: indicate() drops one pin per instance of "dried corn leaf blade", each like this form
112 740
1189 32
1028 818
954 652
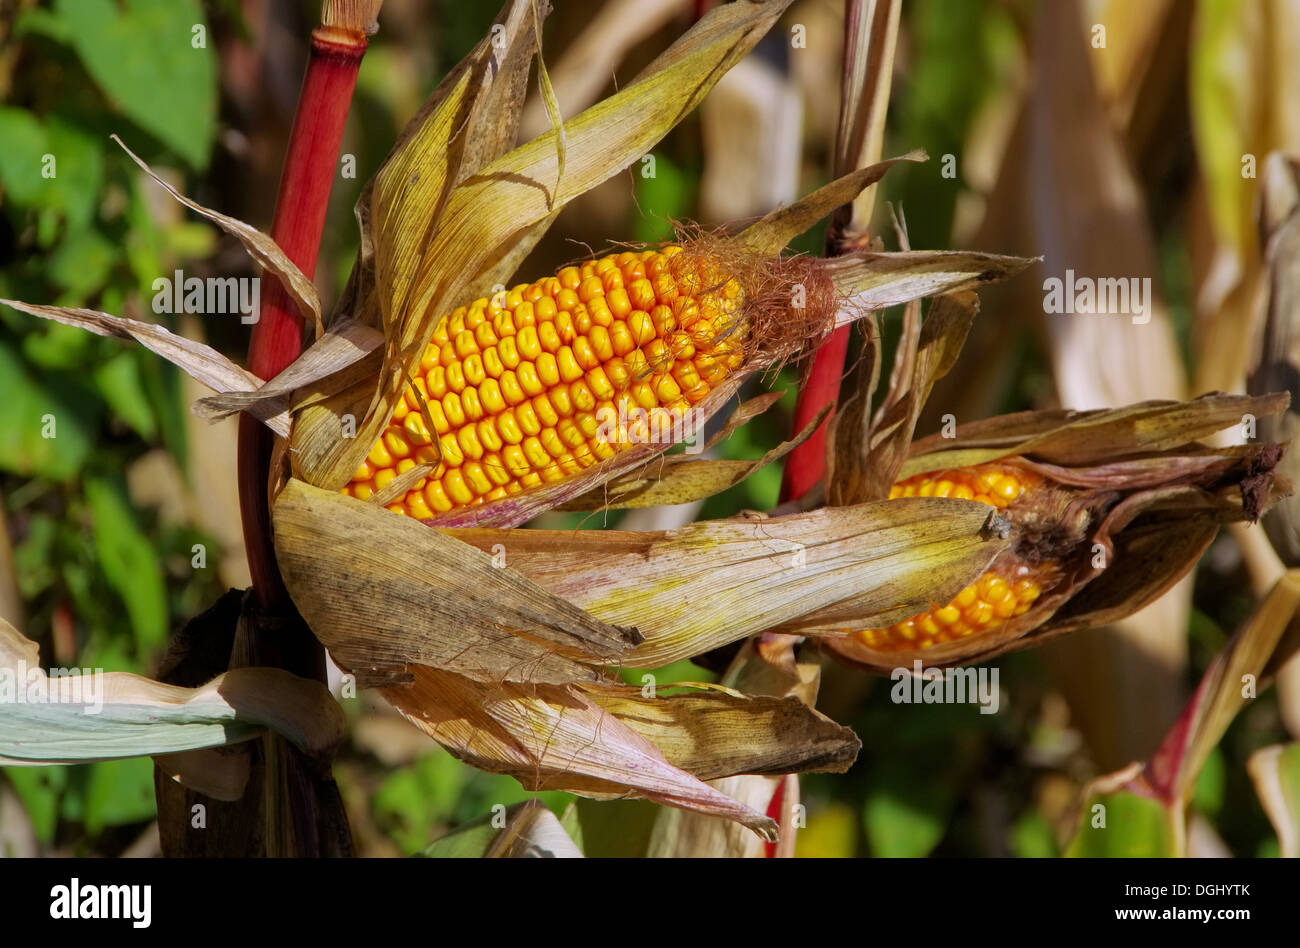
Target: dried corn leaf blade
708 584
203 363
552 738
715 734
45 723
485 216
871 281
349 352
884 450
259 246
381 591
1221 694
1092 437
680 480
1276 774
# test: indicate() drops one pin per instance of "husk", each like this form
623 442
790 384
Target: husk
555 738
381 591
694 589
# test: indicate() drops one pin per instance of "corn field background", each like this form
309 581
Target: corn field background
1110 135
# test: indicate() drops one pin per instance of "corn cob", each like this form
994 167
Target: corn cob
543 381
1004 591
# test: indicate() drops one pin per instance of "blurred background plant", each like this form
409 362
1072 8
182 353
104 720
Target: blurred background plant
1111 137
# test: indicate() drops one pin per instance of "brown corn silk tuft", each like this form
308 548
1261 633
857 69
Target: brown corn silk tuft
1007 589
548 379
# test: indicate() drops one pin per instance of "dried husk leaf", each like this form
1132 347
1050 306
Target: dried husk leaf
349 352
555 738
680 480
141 717
872 281
714 734
1089 438
925 355
381 591
260 247
694 589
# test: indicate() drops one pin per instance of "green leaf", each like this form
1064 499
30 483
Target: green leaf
120 382
39 789
1130 826
78 172
119 792
906 813
43 431
129 561
468 842
25 142
81 263
141 53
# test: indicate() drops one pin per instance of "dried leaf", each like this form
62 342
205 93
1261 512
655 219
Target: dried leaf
259 246
381 591
553 738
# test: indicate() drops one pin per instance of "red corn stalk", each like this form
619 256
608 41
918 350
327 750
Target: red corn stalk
305 183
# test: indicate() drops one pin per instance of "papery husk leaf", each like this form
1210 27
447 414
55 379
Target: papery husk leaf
1276 773
381 591
680 834
680 480
349 352
694 589
203 363
871 280
715 734
261 247
932 352
141 717
484 217
1089 438
555 738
